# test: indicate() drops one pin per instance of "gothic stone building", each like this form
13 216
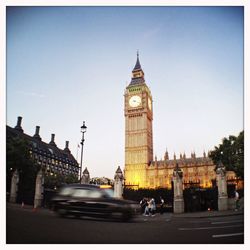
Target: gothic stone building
141 170
48 155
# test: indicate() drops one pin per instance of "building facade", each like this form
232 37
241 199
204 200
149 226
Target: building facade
141 170
51 158
138 128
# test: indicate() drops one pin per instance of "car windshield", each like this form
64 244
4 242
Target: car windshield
80 193
66 191
109 192
85 192
92 193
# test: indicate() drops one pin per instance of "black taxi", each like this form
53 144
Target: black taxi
92 201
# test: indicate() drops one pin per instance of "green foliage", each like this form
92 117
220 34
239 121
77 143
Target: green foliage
52 180
18 157
231 154
101 181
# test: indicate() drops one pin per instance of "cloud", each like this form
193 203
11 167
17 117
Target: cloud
32 94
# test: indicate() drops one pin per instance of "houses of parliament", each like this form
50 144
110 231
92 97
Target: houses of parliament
141 169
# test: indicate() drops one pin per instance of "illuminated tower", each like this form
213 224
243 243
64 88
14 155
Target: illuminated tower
138 113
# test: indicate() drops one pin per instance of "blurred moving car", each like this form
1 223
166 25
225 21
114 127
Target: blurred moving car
94 201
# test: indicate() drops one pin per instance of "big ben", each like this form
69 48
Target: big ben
138 113
141 171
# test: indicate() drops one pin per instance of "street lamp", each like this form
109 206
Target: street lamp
83 130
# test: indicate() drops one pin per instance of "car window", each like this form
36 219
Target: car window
95 194
66 191
81 193
109 192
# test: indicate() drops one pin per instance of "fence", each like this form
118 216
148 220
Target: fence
137 195
200 199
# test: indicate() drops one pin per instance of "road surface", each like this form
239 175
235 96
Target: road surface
43 226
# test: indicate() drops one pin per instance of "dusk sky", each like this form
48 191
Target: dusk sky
66 65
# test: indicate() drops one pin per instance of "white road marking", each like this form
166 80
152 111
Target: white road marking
226 235
205 228
226 222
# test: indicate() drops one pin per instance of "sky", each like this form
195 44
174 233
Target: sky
66 65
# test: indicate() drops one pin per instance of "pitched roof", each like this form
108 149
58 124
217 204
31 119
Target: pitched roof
43 148
118 170
85 171
137 65
136 81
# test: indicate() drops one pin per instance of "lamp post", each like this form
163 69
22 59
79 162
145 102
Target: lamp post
83 130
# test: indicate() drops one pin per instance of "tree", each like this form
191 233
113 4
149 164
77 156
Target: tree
231 154
52 180
18 157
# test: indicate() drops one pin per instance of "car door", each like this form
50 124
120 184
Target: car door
79 200
96 204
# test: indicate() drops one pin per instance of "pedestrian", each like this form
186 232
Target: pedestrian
143 203
161 205
236 198
146 210
152 207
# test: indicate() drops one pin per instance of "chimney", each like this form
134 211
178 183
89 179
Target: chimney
18 125
67 147
52 142
36 135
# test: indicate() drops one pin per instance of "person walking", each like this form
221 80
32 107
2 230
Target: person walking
143 204
146 210
161 205
152 207
236 198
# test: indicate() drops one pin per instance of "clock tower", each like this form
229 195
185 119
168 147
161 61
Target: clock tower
138 113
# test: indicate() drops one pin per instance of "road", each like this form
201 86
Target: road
43 226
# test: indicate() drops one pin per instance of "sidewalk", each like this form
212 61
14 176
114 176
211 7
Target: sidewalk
203 214
207 214
27 207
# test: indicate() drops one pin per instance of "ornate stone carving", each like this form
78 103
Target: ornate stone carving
85 177
39 188
221 170
118 183
222 187
14 186
177 171
178 190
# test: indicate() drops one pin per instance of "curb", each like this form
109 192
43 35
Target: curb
166 215
26 207
207 215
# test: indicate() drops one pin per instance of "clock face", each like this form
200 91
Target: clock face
134 101
149 104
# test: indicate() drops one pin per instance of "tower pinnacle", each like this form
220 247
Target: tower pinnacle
137 65
137 73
